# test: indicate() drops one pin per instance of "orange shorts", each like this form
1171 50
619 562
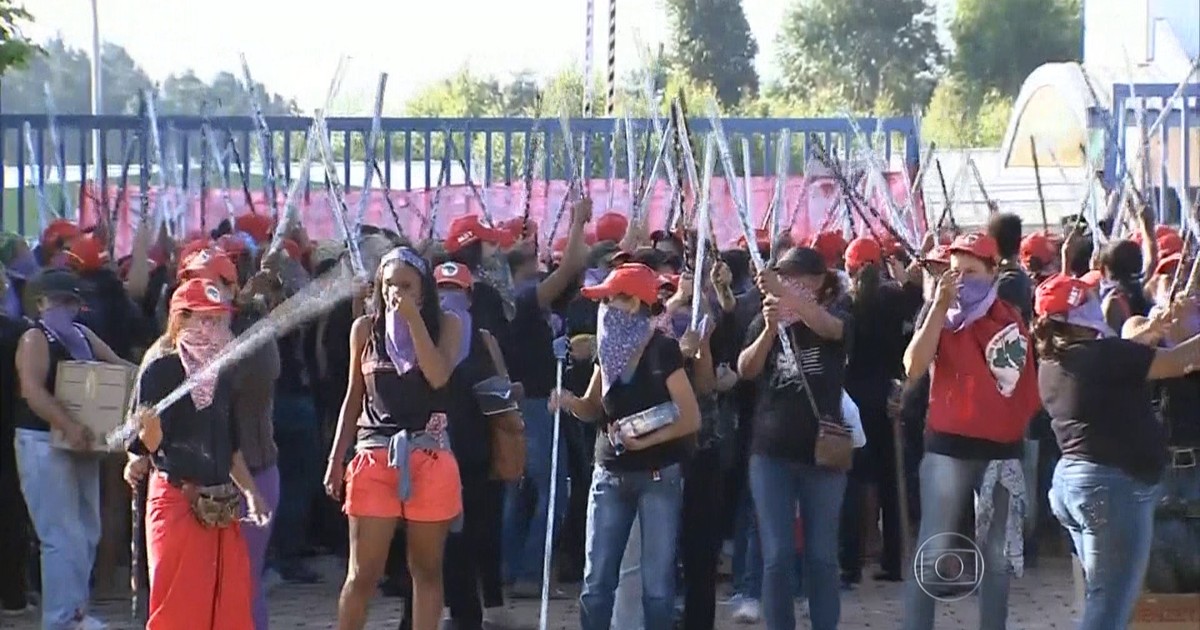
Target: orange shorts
372 487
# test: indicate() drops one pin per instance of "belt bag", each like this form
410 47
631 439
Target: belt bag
645 422
214 506
495 395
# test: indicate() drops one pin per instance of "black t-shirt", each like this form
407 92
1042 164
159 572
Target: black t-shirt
1101 406
880 337
467 426
197 445
531 360
1014 286
487 313
1179 400
784 425
647 388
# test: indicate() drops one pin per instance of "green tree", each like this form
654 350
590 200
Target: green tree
15 47
957 119
713 44
1001 41
862 49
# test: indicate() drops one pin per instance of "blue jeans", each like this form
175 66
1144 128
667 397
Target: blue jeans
655 499
747 550
297 434
1175 555
777 485
1110 517
62 492
527 502
948 485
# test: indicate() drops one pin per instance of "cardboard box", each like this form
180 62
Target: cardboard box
1160 611
96 395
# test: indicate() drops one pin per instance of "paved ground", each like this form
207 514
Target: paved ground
1040 600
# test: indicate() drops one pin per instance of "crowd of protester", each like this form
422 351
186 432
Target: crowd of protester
975 391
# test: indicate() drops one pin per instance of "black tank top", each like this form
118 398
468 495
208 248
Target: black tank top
24 416
394 402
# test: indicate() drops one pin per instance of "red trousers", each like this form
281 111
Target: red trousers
199 576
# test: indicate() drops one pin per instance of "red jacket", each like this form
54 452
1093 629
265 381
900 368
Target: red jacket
983 382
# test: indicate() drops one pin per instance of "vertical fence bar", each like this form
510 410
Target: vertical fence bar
425 158
1163 161
287 155
508 140
387 160
3 153
487 158
20 184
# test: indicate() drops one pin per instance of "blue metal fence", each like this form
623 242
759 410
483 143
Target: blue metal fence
1173 186
414 145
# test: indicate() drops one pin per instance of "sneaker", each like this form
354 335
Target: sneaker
748 611
91 623
6 611
732 601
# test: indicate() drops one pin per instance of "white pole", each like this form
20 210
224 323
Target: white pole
97 93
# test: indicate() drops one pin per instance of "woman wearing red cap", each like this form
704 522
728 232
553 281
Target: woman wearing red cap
1107 484
402 357
640 392
793 397
983 393
198 564
881 310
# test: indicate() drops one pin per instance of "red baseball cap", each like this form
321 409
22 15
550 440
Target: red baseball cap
1037 246
454 274
468 229
1169 243
831 245
939 254
611 226
762 238
258 226
211 264
632 279
86 253
976 244
199 295
58 233
191 247
1167 264
1059 294
862 251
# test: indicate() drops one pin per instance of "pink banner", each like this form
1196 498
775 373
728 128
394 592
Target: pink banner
809 203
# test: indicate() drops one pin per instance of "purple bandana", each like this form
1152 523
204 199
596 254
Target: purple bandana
1089 315
59 321
620 336
975 298
458 304
397 336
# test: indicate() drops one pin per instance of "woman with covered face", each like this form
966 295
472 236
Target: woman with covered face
982 395
198 563
640 393
1107 484
804 299
402 356
61 485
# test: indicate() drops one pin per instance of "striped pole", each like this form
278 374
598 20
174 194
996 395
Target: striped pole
611 104
589 88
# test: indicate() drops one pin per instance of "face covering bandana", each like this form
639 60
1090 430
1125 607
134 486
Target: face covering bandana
456 302
793 287
620 336
59 320
975 297
199 342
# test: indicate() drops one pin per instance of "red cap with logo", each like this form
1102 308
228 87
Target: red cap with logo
191 247
611 226
976 244
86 253
1059 294
632 279
862 251
211 264
468 229
199 295
454 274
1037 246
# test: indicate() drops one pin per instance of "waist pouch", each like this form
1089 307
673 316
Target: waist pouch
213 506
643 423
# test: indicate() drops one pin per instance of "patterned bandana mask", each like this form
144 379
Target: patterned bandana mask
199 343
793 287
620 336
